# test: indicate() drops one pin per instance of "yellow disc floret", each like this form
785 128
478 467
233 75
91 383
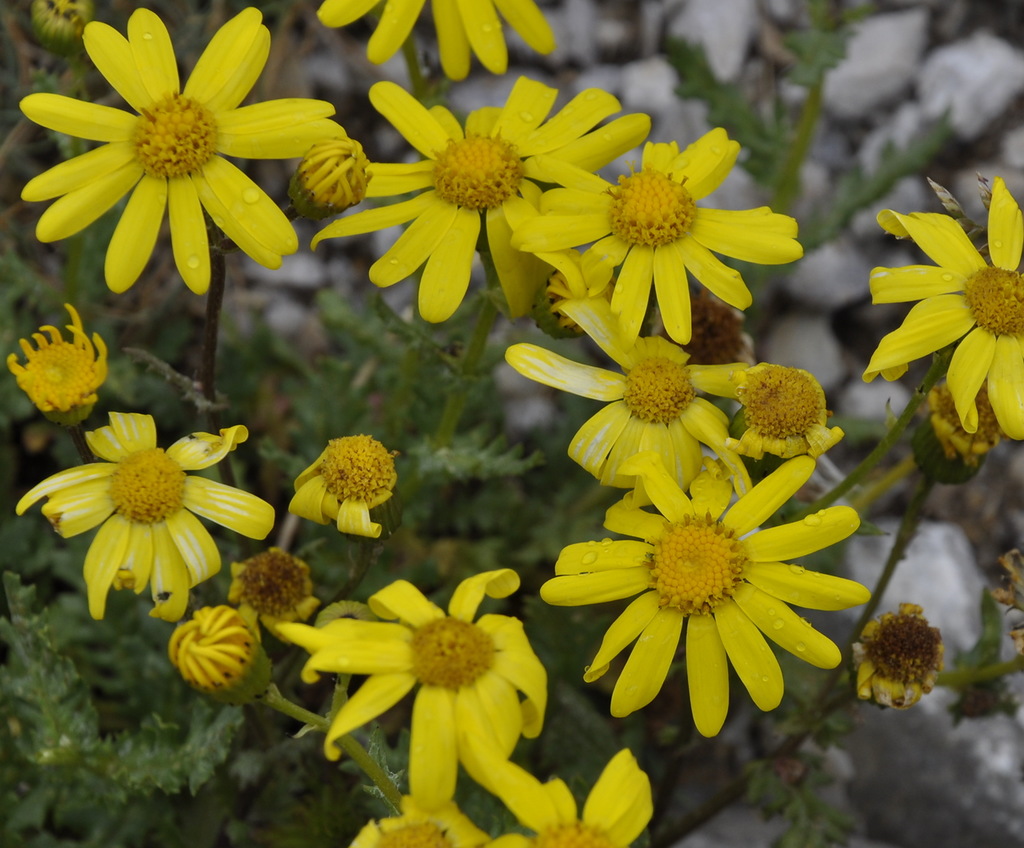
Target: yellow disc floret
696 564
574 835
418 835
359 467
175 137
996 299
450 652
147 486
477 172
650 208
658 389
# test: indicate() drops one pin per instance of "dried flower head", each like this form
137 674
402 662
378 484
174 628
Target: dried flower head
273 585
898 658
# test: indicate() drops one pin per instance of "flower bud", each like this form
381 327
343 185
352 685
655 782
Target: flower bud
59 24
331 177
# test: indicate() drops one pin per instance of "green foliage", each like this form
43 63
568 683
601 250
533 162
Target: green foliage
985 697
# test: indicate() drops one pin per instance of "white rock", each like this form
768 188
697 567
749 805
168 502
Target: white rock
300 270
648 86
1013 147
831 276
872 401
974 78
724 28
805 340
881 59
938 572
899 129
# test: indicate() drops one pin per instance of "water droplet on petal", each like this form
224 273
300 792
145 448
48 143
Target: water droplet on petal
589 558
147 36
392 262
771 610
813 520
797 569
778 624
251 195
192 261
800 646
488 28
947 278
526 116
764 678
590 95
997 243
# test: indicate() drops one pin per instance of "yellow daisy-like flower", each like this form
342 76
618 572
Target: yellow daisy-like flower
963 298
616 811
217 654
462 26
898 658
784 410
273 586
704 564
143 502
653 402
476 177
651 224
59 377
352 476
954 439
418 827
166 154
468 674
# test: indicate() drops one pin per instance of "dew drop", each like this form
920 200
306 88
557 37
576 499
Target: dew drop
997 243
947 278
590 95
218 220
192 262
771 610
764 678
392 262
147 36
589 558
778 624
526 116
251 195
606 542
797 569
800 646
487 28
813 520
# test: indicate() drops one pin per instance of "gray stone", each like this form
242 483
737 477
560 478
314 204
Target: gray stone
302 270
703 22
804 340
1013 148
881 60
900 129
831 276
975 78
871 401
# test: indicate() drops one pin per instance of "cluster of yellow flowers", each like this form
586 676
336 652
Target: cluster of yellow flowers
705 560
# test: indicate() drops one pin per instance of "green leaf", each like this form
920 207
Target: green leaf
472 457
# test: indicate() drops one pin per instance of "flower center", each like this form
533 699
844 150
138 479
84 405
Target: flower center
574 835
658 389
780 401
419 835
996 299
175 137
64 376
274 582
650 208
905 648
696 565
450 652
477 172
360 468
213 649
147 486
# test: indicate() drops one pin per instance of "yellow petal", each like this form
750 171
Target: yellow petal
230 507
112 55
338 13
393 29
706 163
80 507
484 31
968 370
414 246
153 54
784 627
136 233
605 144
660 486
551 369
596 587
1006 386
405 602
647 667
912 282
79 118
188 234
761 502
275 129
1005 228
632 521
378 694
520 274
577 117
74 173
78 209
194 543
446 274
499 583
104 558
750 655
707 674
391 179
814 532
943 240
452 41
169 579
750 235
62 480
433 765
597 437
526 107
135 431
371 220
627 627
929 326
231 63
527 20
407 115
800 587
549 233
673 291
721 280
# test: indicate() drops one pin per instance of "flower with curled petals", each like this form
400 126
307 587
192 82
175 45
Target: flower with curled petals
963 299
479 177
444 827
462 26
615 814
653 403
468 675
165 153
703 565
143 502
650 224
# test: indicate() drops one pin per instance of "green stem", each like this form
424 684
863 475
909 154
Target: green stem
366 554
275 700
968 676
81 445
208 364
788 185
900 471
418 82
456 401
939 366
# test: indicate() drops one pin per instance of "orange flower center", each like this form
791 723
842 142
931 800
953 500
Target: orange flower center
658 389
697 564
574 835
418 835
147 486
651 209
450 652
175 137
477 172
996 299
780 401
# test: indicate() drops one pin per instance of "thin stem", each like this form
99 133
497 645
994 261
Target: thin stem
939 366
788 185
214 305
967 676
275 700
366 554
418 82
900 471
81 445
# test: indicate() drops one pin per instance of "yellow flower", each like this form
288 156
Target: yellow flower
898 658
468 675
217 653
59 377
650 224
709 568
570 280
143 502
461 27
962 298
273 585
478 176
417 827
331 178
784 410
352 476
616 811
653 403
955 440
165 153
